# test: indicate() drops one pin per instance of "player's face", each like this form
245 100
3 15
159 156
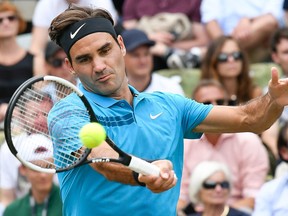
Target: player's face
98 61
217 195
233 66
139 62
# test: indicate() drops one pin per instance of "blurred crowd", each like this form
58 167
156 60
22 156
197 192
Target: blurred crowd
223 174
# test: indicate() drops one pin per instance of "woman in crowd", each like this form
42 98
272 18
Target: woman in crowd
226 62
210 187
16 64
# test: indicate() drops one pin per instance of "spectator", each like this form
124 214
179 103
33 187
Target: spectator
16 64
249 22
226 62
279 55
243 153
43 197
172 46
55 62
12 184
282 146
43 17
272 197
139 65
210 185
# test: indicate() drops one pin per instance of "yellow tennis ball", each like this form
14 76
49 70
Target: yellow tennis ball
92 135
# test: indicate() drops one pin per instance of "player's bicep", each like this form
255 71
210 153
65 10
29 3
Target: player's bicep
222 119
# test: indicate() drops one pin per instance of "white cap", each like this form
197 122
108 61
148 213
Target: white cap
35 147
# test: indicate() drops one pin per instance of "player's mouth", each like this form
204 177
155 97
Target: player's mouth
103 78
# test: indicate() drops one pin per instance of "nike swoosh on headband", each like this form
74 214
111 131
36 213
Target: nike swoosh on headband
72 35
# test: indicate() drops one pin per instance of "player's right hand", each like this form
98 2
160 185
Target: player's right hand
166 180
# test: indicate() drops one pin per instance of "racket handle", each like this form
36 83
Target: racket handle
141 166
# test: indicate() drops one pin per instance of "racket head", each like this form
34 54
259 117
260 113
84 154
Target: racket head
26 128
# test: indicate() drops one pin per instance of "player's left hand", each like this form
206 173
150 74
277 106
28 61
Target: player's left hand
166 180
278 88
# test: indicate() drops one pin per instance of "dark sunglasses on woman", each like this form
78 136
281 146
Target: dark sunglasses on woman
223 57
213 184
10 18
230 102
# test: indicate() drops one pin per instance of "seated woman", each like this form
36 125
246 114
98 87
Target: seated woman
227 62
210 188
16 64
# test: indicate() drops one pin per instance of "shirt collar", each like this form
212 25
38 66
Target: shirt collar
103 100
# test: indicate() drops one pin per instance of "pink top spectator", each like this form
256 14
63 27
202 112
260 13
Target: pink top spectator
244 154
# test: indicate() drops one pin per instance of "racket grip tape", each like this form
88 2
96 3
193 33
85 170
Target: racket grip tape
141 166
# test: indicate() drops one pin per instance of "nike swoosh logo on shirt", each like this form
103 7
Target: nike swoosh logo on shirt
72 35
155 116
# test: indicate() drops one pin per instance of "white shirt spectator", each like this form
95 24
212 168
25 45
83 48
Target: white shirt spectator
228 13
47 10
164 84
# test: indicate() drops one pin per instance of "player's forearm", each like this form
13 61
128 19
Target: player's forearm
115 172
260 113
111 171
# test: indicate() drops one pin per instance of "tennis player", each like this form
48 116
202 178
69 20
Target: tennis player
150 126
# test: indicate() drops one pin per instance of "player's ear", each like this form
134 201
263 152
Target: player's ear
69 65
121 44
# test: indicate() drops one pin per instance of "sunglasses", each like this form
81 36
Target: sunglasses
223 57
10 18
218 102
231 102
213 184
57 62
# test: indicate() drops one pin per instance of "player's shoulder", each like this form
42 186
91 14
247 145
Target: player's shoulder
163 96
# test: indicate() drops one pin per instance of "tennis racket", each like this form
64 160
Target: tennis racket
27 135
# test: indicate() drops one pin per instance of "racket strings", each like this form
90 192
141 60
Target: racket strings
29 119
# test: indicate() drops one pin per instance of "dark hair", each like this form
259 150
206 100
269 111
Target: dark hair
72 15
277 36
209 68
282 141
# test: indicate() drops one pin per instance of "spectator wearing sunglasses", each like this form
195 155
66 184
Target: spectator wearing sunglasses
16 64
55 62
243 153
210 186
226 62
